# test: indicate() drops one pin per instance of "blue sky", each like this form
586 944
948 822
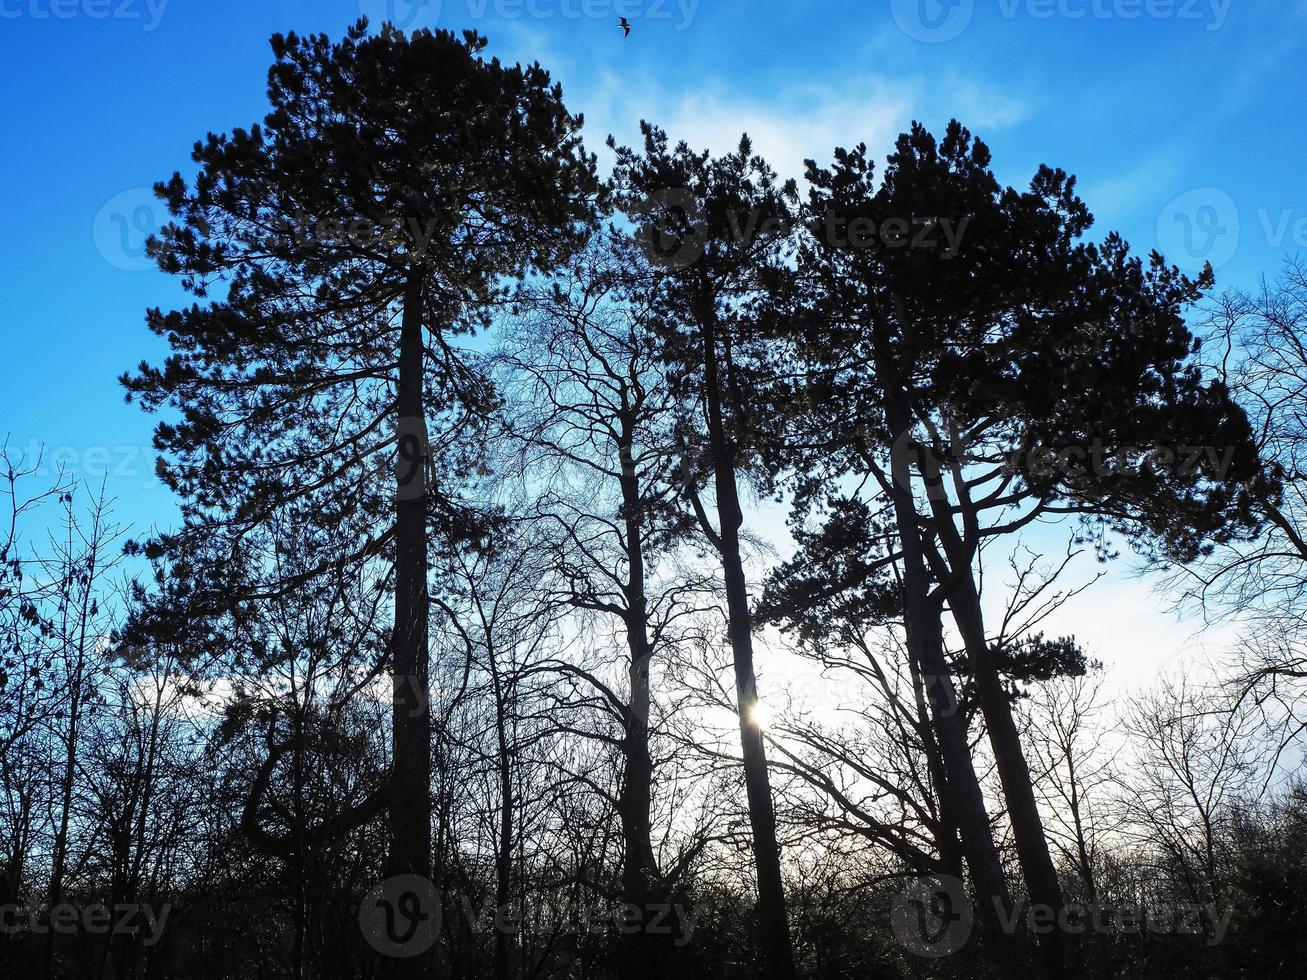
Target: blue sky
1182 118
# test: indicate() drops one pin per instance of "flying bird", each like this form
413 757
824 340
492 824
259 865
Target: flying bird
625 25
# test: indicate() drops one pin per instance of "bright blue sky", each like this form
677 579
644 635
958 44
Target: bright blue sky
1174 113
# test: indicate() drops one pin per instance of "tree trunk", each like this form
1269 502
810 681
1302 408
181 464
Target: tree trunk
1082 843
410 804
75 705
1004 738
773 923
640 868
922 623
504 852
947 836
1013 771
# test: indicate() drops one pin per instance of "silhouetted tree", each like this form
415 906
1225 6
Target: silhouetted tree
966 341
593 417
362 227
714 227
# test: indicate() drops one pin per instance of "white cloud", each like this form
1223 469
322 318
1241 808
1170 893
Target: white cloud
786 126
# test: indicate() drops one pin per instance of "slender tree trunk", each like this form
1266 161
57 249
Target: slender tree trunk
65 807
640 868
773 923
1037 866
1082 844
922 623
60 856
504 853
772 918
947 836
11 878
1013 771
301 896
640 872
410 804
644 955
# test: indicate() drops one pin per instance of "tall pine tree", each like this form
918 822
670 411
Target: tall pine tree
350 239
716 229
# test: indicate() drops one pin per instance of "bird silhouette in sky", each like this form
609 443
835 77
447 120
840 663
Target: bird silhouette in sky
625 25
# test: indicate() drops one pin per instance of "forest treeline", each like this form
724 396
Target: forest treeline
648 574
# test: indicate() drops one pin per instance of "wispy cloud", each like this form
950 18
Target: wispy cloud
789 126
1115 198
